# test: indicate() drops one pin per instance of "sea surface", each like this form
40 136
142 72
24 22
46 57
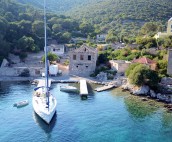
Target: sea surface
110 116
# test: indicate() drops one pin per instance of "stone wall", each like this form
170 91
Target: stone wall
16 71
169 68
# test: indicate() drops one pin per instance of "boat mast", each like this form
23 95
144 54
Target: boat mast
46 58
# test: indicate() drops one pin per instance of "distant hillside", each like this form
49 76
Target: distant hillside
59 6
128 13
126 16
146 10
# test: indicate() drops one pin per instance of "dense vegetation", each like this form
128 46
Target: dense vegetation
140 74
123 18
59 6
22 28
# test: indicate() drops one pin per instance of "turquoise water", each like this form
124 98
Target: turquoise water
110 116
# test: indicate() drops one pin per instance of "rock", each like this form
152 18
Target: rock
159 96
152 94
168 105
162 97
143 90
118 83
166 80
128 86
102 76
144 99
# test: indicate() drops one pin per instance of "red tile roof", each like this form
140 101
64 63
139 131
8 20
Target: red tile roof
144 60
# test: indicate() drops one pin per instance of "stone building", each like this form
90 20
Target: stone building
101 37
119 65
169 68
167 33
58 49
82 60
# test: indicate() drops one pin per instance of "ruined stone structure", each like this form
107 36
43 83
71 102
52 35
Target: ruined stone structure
168 32
82 60
169 68
119 65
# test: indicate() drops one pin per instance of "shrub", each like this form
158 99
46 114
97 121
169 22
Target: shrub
66 63
51 57
141 74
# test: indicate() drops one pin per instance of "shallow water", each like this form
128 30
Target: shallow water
110 116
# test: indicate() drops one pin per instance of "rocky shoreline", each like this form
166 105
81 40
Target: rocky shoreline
146 92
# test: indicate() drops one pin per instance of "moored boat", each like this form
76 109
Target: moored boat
44 103
21 103
44 109
68 89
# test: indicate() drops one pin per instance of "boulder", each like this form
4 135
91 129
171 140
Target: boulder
152 94
161 97
5 63
143 90
102 76
166 80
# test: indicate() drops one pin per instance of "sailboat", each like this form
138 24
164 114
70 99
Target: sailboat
44 103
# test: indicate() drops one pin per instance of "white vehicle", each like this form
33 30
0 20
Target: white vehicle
53 70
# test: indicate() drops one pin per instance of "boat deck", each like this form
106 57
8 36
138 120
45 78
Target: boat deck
41 82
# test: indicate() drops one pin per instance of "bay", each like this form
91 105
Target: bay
109 116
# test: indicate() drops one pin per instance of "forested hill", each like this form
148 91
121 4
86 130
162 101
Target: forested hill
109 9
125 16
59 6
22 28
131 9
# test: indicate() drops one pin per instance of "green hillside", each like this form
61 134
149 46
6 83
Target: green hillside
22 28
124 17
59 6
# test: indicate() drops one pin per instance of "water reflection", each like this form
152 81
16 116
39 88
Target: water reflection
138 108
46 127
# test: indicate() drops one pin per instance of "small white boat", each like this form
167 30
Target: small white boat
21 103
68 89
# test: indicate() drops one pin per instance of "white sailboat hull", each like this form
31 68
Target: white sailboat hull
40 107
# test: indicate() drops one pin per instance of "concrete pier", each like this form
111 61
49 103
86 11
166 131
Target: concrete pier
103 88
83 88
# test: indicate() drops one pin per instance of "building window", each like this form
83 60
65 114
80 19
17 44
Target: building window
77 66
89 57
54 49
81 57
74 57
86 66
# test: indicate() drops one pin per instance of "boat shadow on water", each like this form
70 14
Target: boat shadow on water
43 125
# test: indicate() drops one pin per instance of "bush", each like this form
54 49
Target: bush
142 75
66 63
51 57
